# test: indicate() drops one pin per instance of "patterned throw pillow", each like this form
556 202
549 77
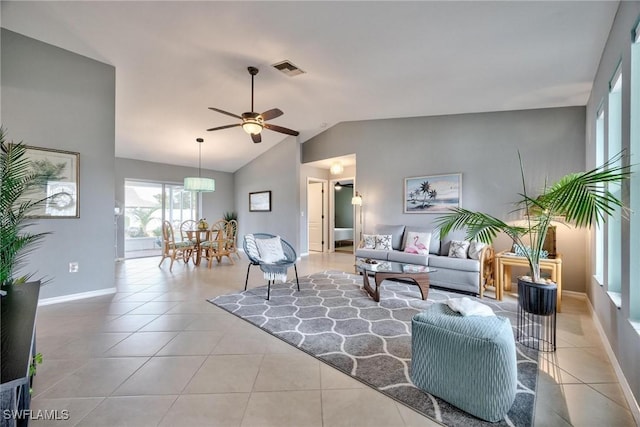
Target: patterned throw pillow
417 243
475 248
369 241
458 249
252 248
383 242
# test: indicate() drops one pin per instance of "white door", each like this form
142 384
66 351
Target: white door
315 196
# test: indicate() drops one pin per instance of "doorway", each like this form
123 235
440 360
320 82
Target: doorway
343 224
316 214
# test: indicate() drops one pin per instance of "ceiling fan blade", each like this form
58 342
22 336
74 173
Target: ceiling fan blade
281 129
271 114
256 138
225 127
225 112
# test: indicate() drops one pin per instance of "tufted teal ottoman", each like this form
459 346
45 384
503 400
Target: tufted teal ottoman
468 361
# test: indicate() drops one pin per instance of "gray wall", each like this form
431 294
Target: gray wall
343 207
483 147
276 170
53 98
623 337
214 204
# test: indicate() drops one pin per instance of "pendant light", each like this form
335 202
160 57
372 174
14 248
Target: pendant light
192 183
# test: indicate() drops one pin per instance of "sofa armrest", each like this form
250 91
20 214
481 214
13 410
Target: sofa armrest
487 257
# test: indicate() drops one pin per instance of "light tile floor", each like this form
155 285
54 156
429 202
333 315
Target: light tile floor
157 353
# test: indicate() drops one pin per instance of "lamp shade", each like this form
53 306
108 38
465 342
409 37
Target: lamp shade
196 183
357 199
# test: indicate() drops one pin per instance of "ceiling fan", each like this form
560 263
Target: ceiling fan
252 122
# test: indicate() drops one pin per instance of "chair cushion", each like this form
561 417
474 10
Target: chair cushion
409 258
270 250
448 263
372 253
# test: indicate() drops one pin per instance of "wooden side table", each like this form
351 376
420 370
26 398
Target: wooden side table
506 260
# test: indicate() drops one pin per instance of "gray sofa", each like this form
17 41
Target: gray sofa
458 274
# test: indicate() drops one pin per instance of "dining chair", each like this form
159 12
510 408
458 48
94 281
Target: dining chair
217 245
232 237
273 270
171 248
185 236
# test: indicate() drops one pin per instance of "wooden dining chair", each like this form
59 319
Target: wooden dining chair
232 237
217 245
171 248
186 236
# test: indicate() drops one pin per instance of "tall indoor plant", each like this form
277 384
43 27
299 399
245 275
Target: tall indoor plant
579 199
16 243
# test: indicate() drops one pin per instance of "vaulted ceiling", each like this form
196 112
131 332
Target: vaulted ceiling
363 60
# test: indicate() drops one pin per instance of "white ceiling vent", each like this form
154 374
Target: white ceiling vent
288 68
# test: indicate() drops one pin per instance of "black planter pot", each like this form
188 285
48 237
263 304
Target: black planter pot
537 298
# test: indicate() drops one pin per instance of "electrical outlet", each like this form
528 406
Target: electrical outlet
73 267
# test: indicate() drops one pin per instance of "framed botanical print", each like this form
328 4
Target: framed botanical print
58 181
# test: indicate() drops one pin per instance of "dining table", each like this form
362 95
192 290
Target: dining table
199 236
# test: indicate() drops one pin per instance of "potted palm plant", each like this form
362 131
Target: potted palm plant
579 199
20 294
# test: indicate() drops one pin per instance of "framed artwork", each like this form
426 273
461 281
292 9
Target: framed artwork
432 193
260 201
58 182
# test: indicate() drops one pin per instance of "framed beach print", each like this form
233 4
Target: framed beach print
58 181
260 201
432 193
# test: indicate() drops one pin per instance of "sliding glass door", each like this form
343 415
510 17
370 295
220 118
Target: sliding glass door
147 204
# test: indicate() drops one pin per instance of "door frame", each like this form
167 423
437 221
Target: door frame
325 212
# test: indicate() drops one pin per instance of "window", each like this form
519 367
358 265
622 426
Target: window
634 203
614 222
146 205
599 233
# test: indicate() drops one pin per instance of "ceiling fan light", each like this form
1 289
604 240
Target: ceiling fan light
252 127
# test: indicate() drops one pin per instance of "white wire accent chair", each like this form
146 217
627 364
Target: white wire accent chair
172 249
289 261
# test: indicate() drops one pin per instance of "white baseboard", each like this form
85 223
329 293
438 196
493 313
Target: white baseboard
73 297
304 254
628 394
580 295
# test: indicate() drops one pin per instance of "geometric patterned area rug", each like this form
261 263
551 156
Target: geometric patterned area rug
335 320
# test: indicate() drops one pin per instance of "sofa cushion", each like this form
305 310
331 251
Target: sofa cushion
396 232
434 243
458 249
372 253
369 241
417 242
419 259
383 242
463 264
446 242
475 249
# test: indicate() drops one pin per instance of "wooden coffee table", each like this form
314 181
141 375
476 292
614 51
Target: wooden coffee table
383 270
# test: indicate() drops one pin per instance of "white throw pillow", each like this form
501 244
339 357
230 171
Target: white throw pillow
417 243
475 248
369 241
270 249
458 249
383 242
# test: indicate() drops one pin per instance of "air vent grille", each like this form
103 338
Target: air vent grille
288 68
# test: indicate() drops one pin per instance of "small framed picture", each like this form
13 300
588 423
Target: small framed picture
432 193
260 201
58 180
